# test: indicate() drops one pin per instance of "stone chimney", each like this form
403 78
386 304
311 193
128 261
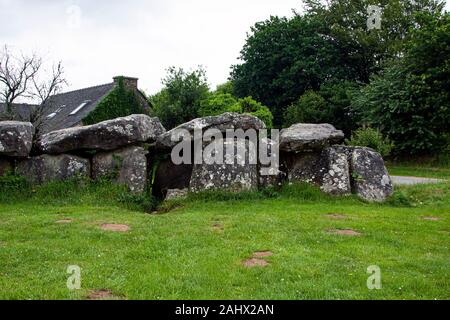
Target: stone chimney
129 82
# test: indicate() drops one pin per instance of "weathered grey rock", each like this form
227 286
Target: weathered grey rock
5 166
371 180
169 176
303 167
305 137
126 166
106 136
239 176
173 194
16 138
222 122
46 168
269 174
335 172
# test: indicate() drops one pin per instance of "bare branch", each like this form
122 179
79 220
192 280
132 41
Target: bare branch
24 76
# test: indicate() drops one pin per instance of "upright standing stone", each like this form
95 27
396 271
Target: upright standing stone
16 138
239 172
47 168
126 166
371 179
335 172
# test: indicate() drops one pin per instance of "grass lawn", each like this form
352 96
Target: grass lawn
417 170
196 251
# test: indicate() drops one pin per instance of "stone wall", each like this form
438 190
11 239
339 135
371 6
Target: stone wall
126 149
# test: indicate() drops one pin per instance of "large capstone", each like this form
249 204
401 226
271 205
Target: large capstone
105 136
169 176
47 168
371 180
335 172
127 166
16 138
238 171
305 137
223 122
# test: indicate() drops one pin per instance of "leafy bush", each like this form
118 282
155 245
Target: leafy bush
249 106
179 100
338 96
120 102
227 87
369 137
310 108
216 104
410 101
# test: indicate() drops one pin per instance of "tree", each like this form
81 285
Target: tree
16 74
409 101
227 87
338 97
216 103
23 76
283 58
310 108
367 50
179 100
248 105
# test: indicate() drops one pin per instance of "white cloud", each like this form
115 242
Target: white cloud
137 37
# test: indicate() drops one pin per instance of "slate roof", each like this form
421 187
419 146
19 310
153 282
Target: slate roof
21 110
58 109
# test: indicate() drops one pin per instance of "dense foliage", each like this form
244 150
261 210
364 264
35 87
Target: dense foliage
410 100
179 100
120 102
249 106
372 138
283 58
326 66
218 103
310 108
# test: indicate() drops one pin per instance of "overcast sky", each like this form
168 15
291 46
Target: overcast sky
97 40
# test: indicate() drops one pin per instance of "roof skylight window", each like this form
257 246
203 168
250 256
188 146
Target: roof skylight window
81 106
51 115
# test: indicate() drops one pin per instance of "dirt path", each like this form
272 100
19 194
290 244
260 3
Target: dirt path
398 180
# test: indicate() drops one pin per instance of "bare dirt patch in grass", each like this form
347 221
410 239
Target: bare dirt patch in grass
115 227
218 227
431 219
251 263
102 295
345 232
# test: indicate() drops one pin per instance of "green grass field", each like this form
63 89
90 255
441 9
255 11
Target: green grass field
196 248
